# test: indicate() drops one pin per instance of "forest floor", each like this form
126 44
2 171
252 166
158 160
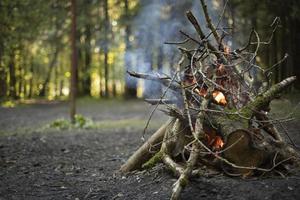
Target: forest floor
38 162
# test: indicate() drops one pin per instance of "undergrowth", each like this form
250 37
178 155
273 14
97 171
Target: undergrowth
80 122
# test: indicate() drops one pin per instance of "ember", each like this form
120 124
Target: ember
219 98
226 50
214 141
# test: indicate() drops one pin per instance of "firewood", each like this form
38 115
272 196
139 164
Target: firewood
217 118
146 151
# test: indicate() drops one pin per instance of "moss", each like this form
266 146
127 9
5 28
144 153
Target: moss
153 161
184 182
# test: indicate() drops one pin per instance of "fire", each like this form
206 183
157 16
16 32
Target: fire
214 141
219 97
202 92
226 50
218 143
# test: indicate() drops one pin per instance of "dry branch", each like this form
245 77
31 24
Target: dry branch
146 151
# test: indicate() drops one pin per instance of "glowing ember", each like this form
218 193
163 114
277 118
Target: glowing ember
214 141
226 50
218 143
219 97
202 92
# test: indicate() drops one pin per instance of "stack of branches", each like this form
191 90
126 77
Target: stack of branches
219 111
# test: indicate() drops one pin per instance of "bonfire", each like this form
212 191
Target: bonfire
218 112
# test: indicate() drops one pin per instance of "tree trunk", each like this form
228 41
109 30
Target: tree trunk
88 58
74 63
3 83
106 32
21 81
296 49
12 76
31 71
51 65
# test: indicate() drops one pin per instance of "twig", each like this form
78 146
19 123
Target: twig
156 106
210 24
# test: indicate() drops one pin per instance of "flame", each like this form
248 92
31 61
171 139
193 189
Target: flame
219 97
214 141
202 92
218 143
226 50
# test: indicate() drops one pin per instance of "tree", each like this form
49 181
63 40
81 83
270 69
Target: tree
74 62
105 46
86 82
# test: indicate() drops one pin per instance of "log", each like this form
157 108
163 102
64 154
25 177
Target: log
241 150
239 119
247 152
143 154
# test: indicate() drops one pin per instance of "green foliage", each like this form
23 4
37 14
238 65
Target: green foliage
60 124
33 30
80 122
8 104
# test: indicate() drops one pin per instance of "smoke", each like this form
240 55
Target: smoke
159 21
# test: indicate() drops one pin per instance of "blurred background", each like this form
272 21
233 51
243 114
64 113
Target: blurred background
113 36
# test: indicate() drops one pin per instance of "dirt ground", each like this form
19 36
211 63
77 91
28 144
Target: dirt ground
43 163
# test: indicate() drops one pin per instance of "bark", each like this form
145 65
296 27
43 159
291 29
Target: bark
3 84
12 76
20 78
31 70
143 154
88 59
86 82
74 63
243 151
106 31
296 48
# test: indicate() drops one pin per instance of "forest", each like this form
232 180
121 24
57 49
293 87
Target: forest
113 36
160 99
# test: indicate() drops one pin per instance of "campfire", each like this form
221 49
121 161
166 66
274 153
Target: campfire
218 115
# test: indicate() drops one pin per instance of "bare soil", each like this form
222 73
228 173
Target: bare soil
39 163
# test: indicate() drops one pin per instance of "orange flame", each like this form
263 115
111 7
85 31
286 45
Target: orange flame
214 141
202 92
226 50
218 143
219 98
